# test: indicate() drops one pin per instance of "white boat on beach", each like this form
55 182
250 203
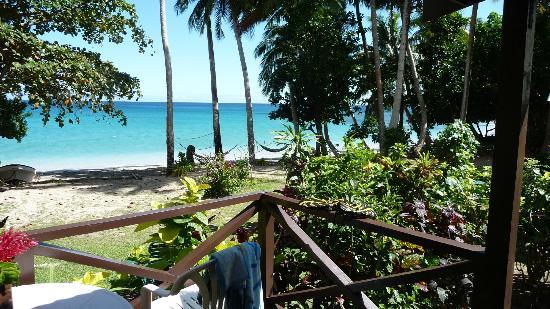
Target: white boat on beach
17 172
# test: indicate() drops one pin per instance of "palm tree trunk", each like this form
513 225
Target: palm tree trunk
468 69
546 141
378 77
395 116
218 149
361 30
328 141
169 93
421 103
249 117
294 110
321 145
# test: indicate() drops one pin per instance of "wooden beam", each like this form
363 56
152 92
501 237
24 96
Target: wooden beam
433 9
518 28
208 245
26 267
436 243
92 226
266 238
415 276
380 282
328 266
326 291
83 258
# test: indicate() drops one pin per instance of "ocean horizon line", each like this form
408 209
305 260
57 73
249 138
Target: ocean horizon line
189 102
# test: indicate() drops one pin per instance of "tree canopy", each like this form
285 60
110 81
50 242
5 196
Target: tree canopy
310 55
60 79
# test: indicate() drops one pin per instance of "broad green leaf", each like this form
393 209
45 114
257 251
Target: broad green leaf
225 245
202 218
169 233
143 226
91 278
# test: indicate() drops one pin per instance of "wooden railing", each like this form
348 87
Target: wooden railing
270 208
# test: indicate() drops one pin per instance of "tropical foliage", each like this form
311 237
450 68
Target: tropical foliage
225 177
442 193
171 240
60 79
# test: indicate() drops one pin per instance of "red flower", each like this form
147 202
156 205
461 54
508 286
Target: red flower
13 244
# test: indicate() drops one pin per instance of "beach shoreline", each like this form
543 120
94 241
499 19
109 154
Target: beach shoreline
68 196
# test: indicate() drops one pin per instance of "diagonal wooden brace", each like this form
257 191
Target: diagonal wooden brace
321 258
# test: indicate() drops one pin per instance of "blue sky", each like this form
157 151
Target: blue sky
190 66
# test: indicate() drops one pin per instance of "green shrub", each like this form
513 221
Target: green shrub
225 177
456 144
182 167
397 136
533 247
422 193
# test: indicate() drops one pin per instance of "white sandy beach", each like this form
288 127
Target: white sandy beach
59 197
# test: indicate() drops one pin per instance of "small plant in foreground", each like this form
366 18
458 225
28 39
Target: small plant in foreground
12 244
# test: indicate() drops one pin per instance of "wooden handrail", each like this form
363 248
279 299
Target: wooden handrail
93 226
269 206
83 258
436 243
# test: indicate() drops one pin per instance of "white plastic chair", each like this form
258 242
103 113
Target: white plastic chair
180 296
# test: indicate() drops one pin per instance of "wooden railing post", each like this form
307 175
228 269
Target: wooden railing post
518 27
26 265
266 237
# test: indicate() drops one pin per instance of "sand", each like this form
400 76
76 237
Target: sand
62 197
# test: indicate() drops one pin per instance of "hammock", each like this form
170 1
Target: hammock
272 149
210 157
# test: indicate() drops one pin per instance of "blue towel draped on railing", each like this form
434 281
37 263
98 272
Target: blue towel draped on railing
239 276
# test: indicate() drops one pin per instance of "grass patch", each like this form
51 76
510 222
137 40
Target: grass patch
116 244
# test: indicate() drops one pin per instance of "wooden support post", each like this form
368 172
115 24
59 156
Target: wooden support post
266 237
26 265
494 282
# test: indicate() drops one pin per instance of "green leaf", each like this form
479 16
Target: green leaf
169 233
9 273
196 226
182 220
143 226
202 218
91 278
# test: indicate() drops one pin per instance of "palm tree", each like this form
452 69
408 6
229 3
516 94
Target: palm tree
169 93
199 20
378 77
396 109
423 111
249 117
467 69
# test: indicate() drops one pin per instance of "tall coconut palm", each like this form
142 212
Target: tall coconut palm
200 19
378 77
246 81
169 93
423 111
398 95
467 68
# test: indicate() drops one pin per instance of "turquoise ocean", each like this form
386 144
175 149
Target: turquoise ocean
102 143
